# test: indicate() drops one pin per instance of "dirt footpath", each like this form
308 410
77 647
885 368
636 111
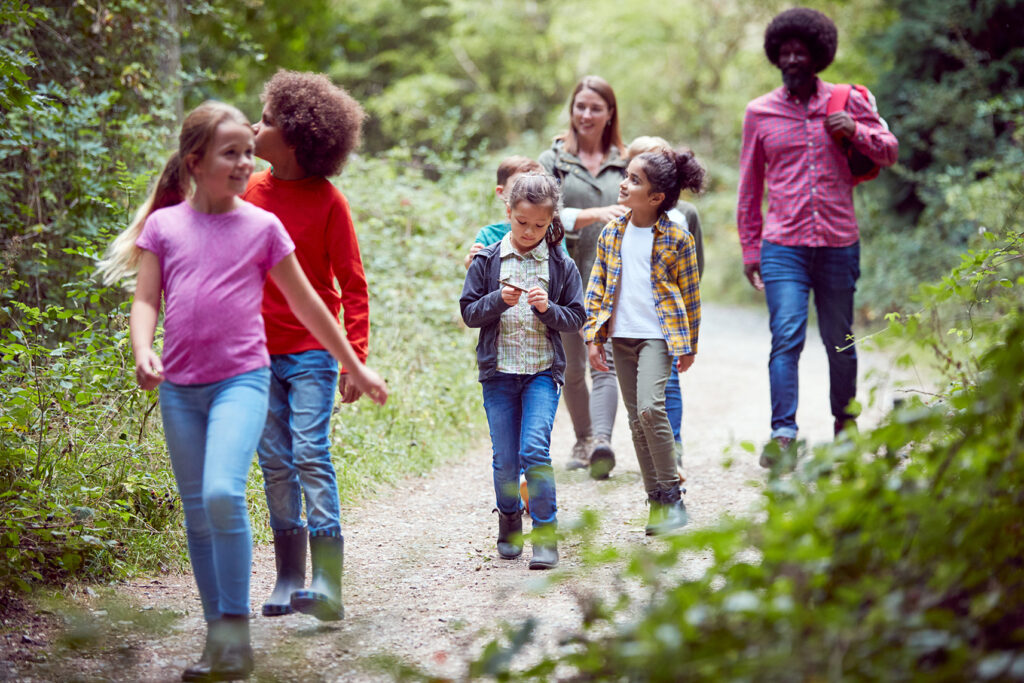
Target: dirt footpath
423 581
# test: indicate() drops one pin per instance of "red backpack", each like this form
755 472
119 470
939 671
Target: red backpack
861 166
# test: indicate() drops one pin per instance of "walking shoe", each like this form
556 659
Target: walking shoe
842 423
580 457
777 450
602 458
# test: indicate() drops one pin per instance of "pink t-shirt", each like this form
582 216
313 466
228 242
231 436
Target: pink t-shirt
213 268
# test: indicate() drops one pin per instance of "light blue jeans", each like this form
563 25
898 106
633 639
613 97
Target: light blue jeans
294 452
520 414
211 432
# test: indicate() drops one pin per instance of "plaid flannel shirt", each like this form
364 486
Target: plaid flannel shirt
810 188
675 281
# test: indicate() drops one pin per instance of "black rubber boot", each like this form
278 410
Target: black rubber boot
232 649
323 597
290 557
510 534
200 670
673 512
545 547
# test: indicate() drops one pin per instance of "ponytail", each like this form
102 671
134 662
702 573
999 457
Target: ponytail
556 231
173 186
122 257
671 171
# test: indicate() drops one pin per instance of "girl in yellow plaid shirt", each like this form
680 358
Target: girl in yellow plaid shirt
644 296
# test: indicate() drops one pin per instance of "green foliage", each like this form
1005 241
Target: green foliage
81 494
86 490
953 94
894 554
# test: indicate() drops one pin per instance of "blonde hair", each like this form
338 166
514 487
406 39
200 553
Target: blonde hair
173 186
646 143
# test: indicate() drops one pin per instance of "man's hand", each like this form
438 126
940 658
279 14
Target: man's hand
349 391
753 273
840 124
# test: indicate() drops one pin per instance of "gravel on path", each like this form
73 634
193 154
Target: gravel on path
423 582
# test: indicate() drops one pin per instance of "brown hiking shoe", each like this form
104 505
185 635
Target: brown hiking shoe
580 456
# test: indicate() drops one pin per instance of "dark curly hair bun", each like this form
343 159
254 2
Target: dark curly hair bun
811 27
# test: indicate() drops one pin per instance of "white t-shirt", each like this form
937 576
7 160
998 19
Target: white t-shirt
635 314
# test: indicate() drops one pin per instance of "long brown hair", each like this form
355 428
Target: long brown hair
173 186
610 136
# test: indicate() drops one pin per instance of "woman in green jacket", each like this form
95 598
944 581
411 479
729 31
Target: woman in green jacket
589 162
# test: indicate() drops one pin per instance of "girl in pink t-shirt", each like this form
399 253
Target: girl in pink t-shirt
208 253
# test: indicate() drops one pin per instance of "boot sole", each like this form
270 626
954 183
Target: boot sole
317 605
505 555
275 610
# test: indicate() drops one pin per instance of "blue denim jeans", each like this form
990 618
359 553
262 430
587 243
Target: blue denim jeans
674 403
211 432
294 452
520 414
790 274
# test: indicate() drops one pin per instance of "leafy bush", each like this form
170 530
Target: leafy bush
895 554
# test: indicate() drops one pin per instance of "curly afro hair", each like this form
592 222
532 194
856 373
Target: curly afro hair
318 118
813 28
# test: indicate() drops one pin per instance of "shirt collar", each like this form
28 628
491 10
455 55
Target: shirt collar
660 225
539 252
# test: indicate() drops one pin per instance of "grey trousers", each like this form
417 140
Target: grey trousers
643 367
593 411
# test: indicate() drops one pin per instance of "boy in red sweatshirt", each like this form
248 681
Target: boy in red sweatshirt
307 130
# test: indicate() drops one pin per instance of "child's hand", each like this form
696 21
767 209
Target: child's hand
598 361
371 384
472 252
510 295
149 371
683 363
538 298
350 393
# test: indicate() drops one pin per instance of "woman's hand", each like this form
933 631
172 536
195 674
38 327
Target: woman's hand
600 214
596 353
538 298
510 295
149 370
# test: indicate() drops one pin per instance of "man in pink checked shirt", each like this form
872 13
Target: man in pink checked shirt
809 240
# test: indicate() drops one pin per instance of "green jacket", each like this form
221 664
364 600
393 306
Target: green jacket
581 190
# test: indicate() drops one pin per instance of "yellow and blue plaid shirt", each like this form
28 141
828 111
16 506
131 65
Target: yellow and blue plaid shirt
675 282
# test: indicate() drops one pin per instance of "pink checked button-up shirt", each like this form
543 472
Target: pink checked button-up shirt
810 189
